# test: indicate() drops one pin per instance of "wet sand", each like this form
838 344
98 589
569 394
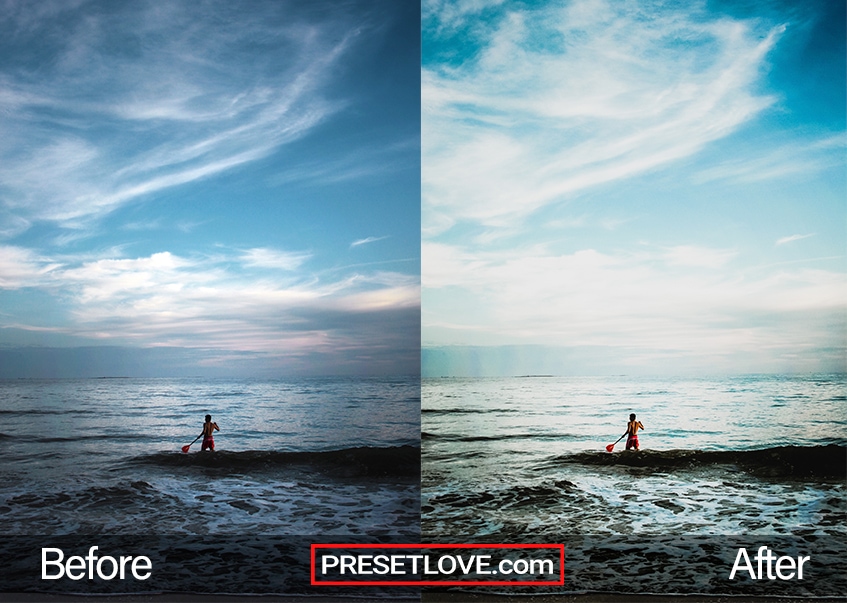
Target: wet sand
182 598
614 598
430 597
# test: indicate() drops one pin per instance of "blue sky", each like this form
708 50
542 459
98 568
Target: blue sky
209 188
633 187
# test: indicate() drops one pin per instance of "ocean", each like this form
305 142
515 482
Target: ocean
523 459
309 456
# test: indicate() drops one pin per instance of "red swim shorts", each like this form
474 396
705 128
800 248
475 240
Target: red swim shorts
631 442
209 442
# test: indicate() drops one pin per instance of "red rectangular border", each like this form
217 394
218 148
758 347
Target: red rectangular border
559 582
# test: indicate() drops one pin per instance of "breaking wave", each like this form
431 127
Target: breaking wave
779 461
353 462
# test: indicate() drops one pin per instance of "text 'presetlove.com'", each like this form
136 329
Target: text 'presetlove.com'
438 565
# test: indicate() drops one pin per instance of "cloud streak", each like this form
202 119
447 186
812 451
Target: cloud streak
792 238
176 98
366 241
804 159
569 98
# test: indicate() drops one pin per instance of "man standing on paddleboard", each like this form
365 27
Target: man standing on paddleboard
631 431
209 428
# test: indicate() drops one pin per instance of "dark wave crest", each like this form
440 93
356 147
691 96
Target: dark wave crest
83 438
46 411
780 461
397 461
535 437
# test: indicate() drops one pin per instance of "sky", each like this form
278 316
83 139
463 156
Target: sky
209 188
633 187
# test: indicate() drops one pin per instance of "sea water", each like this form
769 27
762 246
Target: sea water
311 456
517 455
523 459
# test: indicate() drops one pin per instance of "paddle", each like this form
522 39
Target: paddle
187 446
609 447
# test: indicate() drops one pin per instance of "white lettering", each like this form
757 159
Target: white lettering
90 558
381 565
769 557
748 565
145 564
324 562
426 567
765 558
365 565
779 567
100 568
452 566
348 562
124 559
482 563
58 562
75 562
75 567
466 569
800 562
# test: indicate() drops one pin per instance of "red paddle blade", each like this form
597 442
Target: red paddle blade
609 448
186 447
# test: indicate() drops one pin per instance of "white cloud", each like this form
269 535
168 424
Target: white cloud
616 92
185 99
197 302
661 300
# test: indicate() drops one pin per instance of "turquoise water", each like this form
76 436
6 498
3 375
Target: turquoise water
517 457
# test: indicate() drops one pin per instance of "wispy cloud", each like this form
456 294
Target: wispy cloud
805 159
366 241
562 99
365 163
176 98
792 238
20 267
